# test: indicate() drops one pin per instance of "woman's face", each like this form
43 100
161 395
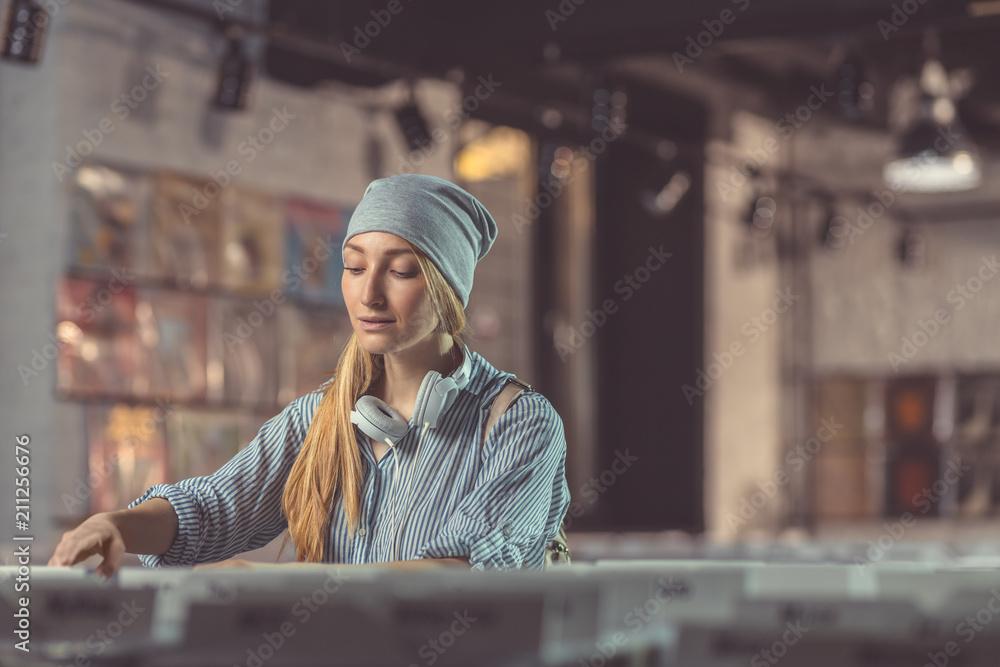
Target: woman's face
385 293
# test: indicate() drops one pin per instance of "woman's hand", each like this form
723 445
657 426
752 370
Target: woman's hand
97 535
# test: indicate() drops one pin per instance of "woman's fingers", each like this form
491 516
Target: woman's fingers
113 552
73 548
96 535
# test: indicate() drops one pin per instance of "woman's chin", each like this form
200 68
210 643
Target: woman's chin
373 343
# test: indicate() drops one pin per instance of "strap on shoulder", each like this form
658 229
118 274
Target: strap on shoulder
512 390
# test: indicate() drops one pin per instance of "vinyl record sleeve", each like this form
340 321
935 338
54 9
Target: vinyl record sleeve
172 329
311 341
313 258
243 365
126 452
200 441
98 351
185 231
253 241
108 220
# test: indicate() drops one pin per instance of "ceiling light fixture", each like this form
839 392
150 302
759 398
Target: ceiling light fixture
24 27
935 154
235 73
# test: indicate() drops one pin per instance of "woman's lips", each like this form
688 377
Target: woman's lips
374 325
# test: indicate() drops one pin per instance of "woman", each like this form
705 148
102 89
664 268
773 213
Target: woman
385 462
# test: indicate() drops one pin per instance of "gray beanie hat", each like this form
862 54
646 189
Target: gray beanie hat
440 218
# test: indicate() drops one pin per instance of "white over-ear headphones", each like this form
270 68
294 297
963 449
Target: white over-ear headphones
379 421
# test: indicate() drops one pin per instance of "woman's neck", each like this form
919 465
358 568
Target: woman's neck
404 371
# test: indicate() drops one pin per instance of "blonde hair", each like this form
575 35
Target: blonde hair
328 466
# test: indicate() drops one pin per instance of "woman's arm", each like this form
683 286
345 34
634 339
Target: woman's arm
147 528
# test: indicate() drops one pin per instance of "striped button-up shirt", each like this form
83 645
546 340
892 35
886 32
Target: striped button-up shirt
498 503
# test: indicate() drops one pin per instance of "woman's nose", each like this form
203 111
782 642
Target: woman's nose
372 294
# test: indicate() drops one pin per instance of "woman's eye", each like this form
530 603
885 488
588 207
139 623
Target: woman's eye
401 274
352 271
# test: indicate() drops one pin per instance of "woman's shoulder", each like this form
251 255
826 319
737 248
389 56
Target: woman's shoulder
300 411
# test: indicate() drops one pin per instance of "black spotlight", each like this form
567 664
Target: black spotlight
413 126
235 73
24 27
855 92
912 250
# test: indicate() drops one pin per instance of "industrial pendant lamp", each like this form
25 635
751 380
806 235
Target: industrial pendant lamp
935 154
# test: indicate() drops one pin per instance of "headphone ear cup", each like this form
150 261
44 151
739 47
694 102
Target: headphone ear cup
420 412
378 420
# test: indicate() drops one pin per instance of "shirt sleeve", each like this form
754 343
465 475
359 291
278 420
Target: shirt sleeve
520 495
237 508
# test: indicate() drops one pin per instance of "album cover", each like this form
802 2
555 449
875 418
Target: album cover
312 339
840 488
172 329
841 402
108 217
126 453
185 229
253 242
95 343
976 444
243 352
313 258
200 442
909 407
